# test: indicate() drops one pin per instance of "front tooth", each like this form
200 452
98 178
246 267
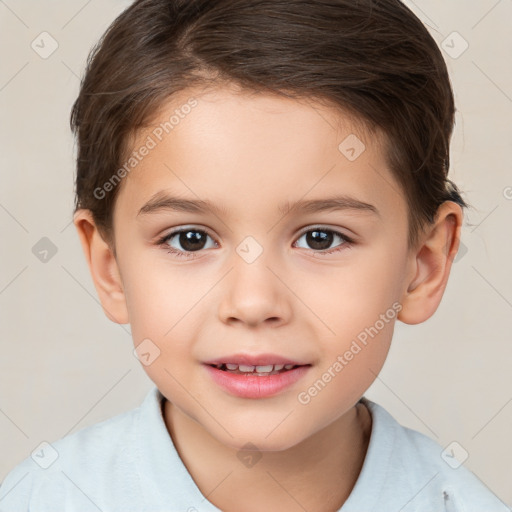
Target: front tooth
264 369
231 366
288 366
278 367
246 368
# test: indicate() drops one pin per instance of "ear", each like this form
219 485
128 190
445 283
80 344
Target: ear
103 267
430 265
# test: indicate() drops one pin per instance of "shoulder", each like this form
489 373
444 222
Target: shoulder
76 469
426 472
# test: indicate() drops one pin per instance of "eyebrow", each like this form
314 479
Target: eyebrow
164 202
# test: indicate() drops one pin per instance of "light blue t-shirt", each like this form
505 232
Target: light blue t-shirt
128 463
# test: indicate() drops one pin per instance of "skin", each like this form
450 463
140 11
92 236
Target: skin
248 153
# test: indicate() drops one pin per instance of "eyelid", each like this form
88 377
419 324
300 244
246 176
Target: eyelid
185 227
347 241
334 229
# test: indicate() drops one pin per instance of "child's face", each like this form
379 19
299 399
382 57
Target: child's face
259 283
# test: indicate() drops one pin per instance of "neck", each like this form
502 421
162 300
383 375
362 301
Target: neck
326 464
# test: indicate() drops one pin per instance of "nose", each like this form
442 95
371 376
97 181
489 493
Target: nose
254 293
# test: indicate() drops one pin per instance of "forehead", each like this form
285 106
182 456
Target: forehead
250 151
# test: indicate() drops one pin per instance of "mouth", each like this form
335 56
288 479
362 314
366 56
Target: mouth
259 380
256 370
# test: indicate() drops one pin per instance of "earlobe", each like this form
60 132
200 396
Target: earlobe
103 267
431 264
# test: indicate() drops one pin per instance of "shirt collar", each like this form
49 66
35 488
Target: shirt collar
165 480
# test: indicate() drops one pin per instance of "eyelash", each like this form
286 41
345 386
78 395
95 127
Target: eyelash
347 242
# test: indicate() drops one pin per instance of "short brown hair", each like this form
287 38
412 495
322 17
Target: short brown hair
372 58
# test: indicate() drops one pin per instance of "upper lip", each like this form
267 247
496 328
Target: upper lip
254 360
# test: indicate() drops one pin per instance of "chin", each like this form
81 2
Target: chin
251 438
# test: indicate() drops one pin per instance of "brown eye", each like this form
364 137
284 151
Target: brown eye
184 241
192 240
321 239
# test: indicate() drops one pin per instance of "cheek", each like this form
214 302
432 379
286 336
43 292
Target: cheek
160 297
349 367
164 305
359 304
343 301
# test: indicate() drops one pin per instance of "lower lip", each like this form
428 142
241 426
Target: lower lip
254 386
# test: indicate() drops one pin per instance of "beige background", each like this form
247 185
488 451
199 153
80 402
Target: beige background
65 366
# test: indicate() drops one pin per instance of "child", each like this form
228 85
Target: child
265 129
